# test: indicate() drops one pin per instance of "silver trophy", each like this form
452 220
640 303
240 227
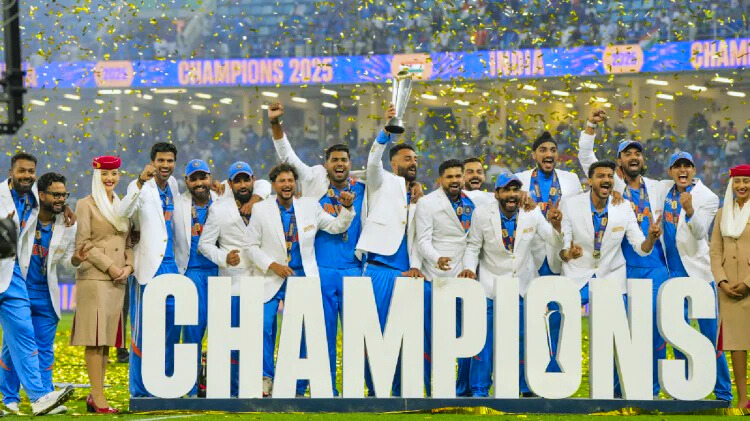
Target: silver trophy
401 91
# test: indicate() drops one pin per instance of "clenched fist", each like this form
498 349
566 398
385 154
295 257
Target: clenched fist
346 198
686 201
233 258
275 112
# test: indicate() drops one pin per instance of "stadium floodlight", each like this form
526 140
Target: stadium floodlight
668 97
736 94
720 79
64 108
270 94
147 96
527 101
590 85
569 105
429 96
559 93
461 103
226 100
299 99
696 88
264 107
109 92
202 95
99 101
459 90
529 88
37 102
168 90
72 96
656 82
198 107
599 99
134 108
170 101
328 92
328 105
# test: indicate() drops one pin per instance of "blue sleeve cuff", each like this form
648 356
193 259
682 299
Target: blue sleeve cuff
383 137
687 218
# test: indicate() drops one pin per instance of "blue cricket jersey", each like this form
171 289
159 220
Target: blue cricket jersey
656 257
36 278
167 205
330 249
197 260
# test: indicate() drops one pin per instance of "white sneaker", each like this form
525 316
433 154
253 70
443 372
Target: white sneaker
51 400
59 410
13 408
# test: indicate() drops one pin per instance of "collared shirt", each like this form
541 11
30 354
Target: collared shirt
25 203
656 257
36 278
674 261
197 260
509 224
400 259
598 216
286 220
167 205
545 183
331 250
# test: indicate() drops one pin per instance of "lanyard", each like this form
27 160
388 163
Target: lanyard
463 208
26 211
290 235
672 205
599 235
508 240
197 229
643 207
43 252
554 192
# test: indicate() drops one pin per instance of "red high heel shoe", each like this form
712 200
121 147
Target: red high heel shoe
91 407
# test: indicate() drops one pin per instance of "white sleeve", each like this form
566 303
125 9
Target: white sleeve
209 237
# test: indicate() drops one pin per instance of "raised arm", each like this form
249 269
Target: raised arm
284 150
341 222
586 155
210 235
375 168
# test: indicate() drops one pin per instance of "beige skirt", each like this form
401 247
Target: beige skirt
98 318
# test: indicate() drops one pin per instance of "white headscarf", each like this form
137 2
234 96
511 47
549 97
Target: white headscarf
733 218
110 210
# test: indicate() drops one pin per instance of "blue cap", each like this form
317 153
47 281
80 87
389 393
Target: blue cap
680 155
240 168
195 166
628 143
506 178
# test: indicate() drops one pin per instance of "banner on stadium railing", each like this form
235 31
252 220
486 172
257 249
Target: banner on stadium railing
526 63
619 338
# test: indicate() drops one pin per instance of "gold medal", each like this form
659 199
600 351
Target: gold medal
552 191
197 228
674 204
640 217
288 258
330 193
467 210
38 235
597 254
459 211
505 233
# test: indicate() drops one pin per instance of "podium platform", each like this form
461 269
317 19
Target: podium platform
375 405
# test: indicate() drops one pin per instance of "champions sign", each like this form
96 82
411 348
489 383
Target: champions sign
619 338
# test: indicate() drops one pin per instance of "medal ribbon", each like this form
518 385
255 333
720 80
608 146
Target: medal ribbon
599 235
672 205
643 208
463 208
508 240
536 192
26 211
43 253
290 235
197 226
335 199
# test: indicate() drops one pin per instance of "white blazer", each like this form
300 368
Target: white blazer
267 243
388 214
692 237
62 246
7 205
485 246
439 234
183 219
143 207
578 225
570 185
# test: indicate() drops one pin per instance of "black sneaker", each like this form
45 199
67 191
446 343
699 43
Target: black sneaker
123 356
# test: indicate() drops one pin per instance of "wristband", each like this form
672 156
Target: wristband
590 124
275 121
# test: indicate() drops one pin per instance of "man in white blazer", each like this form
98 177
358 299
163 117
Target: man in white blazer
689 209
149 203
390 209
338 257
19 200
546 186
51 246
645 197
223 243
443 218
595 230
282 244
502 241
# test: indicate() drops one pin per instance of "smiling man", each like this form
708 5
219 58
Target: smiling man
689 209
646 198
474 176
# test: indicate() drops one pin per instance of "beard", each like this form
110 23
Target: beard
200 195
243 197
408 176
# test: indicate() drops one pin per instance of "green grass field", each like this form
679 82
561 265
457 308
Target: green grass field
70 368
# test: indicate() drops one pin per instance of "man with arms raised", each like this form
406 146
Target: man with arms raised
645 197
335 252
297 222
